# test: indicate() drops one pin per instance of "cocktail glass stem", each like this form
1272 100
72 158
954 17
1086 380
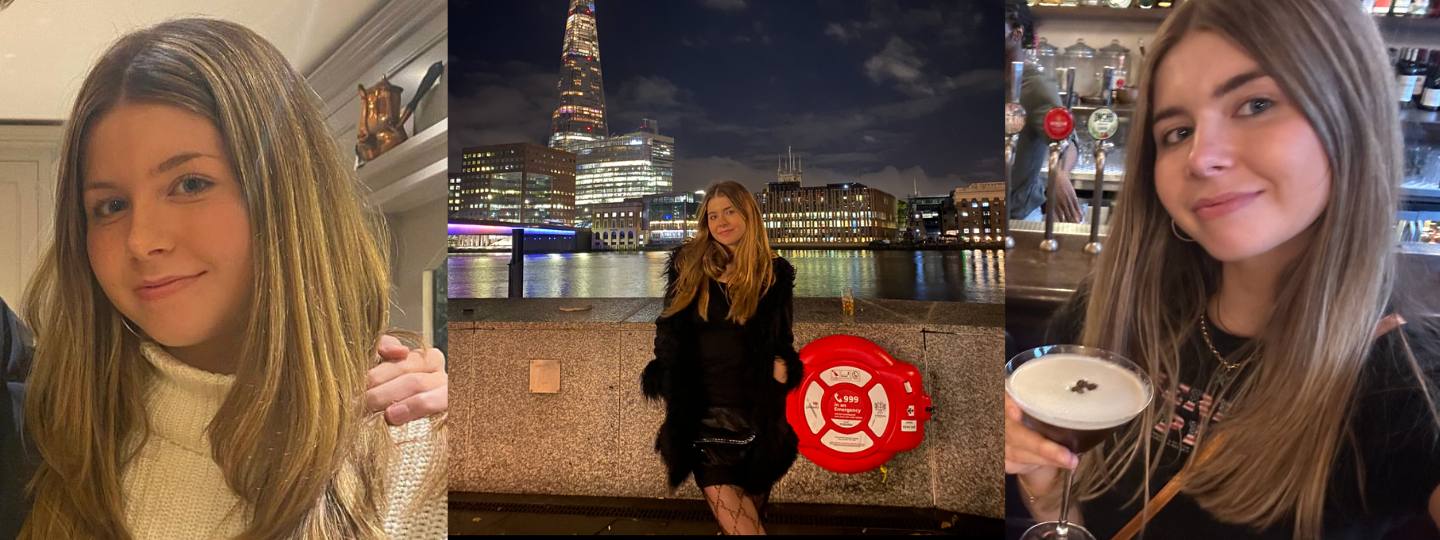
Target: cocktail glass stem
1063 529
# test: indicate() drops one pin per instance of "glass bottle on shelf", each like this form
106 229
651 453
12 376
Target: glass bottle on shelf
1381 7
1422 64
1118 4
1146 4
1046 55
1090 3
1163 4
1081 58
1430 97
1408 74
1400 8
1116 56
1418 8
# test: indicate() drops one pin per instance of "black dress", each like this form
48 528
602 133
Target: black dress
724 410
726 431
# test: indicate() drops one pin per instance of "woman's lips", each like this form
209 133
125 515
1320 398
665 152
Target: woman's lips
155 289
1225 204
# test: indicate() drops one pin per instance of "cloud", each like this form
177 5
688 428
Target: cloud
837 31
508 103
698 173
655 91
653 97
724 5
899 63
901 183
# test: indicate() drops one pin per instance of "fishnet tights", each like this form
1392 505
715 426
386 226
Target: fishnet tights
737 512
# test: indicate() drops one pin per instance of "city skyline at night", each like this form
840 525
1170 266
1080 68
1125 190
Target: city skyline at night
866 92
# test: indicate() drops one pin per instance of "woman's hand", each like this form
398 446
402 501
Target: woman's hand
407 384
781 374
1036 462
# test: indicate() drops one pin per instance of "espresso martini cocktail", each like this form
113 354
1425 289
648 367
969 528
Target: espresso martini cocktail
1075 396
1077 400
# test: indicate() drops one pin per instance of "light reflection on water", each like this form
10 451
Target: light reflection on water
968 276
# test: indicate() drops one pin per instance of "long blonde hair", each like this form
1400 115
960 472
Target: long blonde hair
1273 454
703 258
292 438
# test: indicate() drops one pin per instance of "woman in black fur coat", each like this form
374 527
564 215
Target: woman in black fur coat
724 361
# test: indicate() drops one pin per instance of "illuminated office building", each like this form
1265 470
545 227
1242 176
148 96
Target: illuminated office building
670 217
934 219
845 214
580 115
618 225
981 208
623 167
519 183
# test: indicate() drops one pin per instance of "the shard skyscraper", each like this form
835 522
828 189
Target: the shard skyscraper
580 115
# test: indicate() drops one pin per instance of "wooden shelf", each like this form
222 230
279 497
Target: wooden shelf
1093 13
1410 27
1420 116
1403 27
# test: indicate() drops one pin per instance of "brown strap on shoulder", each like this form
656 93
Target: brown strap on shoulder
1388 323
1151 508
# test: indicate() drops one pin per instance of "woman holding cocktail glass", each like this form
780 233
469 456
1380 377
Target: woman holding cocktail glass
1249 275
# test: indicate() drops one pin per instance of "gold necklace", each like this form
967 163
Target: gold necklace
1229 367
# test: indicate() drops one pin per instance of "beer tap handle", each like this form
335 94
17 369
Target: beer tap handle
1102 125
1014 124
1059 122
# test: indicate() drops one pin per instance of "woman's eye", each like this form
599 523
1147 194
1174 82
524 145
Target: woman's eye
1174 136
1256 106
192 185
109 207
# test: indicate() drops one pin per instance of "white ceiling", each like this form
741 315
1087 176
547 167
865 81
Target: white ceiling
47 46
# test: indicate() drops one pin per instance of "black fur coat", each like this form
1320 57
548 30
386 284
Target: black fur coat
674 375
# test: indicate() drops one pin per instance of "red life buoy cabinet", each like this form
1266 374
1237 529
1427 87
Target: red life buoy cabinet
857 406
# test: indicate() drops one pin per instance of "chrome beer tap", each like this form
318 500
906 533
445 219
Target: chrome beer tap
1102 126
1014 123
1059 123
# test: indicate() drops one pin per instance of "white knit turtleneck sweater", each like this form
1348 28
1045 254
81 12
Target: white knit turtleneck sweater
174 489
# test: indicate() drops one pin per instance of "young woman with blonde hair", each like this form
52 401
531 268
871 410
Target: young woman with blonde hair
725 359
206 315
1251 270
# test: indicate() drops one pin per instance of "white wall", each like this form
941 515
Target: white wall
407 183
417 244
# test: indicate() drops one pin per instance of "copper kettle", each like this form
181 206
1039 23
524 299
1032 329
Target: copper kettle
382 121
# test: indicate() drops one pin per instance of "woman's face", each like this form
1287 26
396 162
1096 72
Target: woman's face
726 223
1237 165
166 225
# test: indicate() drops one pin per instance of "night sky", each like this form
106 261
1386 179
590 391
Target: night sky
881 91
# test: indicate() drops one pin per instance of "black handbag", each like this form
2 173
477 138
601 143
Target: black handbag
724 438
